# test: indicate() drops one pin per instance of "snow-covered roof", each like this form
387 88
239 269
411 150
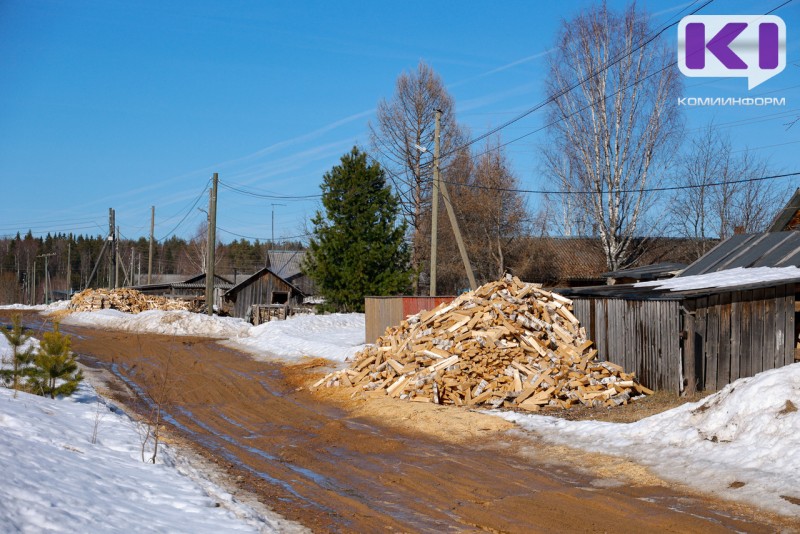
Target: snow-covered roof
728 278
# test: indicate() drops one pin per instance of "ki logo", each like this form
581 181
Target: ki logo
732 46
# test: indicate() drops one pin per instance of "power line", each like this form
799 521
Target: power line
642 190
265 239
583 80
269 196
588 106
189 212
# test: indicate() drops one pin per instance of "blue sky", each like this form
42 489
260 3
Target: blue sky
127 104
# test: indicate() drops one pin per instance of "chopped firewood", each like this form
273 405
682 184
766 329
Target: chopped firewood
506 343
125 300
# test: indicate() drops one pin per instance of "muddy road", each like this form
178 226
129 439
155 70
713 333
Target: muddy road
317 463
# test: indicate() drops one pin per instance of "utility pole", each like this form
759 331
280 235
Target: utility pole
116 257
69 266
34 281
210 246
112 257
150 254
461 248
47 297
435 201
273 224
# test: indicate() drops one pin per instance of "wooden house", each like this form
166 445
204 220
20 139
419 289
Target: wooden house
262 296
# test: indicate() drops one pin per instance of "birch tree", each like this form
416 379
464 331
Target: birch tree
613 120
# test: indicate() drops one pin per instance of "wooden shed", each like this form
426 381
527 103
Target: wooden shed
702 336
265 289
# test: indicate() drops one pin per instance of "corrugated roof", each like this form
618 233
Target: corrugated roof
647 272
285 263
767 249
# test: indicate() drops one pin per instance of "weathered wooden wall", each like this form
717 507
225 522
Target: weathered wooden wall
382 312
738 334
700 343
641 336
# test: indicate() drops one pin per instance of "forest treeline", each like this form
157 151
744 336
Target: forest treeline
70 259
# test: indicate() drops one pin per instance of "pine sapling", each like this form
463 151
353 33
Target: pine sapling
21 354
56 370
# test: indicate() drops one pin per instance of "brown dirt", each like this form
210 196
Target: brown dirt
337 464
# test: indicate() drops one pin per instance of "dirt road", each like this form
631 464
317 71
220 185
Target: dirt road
318 464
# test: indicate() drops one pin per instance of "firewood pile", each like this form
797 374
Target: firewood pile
124 300
506 344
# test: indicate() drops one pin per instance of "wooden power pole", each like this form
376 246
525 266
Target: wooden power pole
211 245
439 185
150 252
112 257
435 202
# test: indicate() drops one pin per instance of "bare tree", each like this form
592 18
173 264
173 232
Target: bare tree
403 137
613 120
491 214
721 191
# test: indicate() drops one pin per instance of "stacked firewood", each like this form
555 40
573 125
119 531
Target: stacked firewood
124 300
507 343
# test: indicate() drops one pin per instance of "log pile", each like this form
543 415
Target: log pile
506 344
124 300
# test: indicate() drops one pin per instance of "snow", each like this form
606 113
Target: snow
56 479
335 337
749 432
727 278
173 323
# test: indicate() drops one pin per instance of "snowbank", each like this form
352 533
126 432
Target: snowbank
741 443
52 307
335 337
173 323
55 479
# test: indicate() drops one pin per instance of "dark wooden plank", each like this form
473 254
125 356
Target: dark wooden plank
672 346
791 326
757 332
772 336
689 339
724 359
745 367
736 334
700 327
712 342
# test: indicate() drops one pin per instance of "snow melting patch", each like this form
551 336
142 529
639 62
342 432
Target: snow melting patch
740 443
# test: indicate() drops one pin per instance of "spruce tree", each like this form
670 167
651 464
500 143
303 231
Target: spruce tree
21 354
358 248
56 370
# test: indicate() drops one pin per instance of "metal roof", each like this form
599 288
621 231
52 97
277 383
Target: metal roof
767 249
285 263
647 272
